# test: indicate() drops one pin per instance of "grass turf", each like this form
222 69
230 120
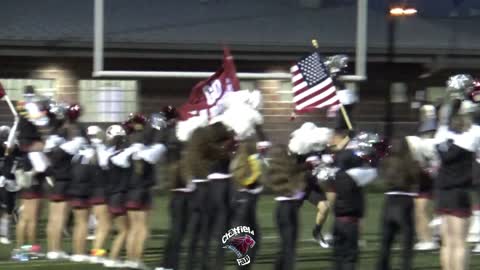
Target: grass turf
309 254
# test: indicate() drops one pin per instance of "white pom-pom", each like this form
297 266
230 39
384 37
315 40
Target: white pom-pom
185 128
242 119
252 98
309 138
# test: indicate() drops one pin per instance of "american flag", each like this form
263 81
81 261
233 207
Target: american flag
312 85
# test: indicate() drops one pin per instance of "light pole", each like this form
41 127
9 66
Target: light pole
392 14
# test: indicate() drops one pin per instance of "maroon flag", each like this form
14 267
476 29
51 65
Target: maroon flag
205 95
2 91
312 85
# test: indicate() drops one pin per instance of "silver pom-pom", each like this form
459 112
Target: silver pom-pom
459 85
158 121
364 143
336 63
59 110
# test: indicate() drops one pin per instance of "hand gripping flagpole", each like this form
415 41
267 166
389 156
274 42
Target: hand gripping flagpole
342 108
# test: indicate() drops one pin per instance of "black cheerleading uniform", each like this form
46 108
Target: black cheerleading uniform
28 134
142 179
60 155
119 174
179 207
453 181
85 172
8 165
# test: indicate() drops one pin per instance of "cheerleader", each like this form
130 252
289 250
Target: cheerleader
287 180
63 143
139 196
246 169
180 191
425 185
8 185
118 173
98 196
207 146
30 172
308 142
84 168
452 184
401 173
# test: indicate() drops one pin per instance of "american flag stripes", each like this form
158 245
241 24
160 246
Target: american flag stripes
312 85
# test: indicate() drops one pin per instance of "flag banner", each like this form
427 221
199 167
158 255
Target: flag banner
313 87
206 96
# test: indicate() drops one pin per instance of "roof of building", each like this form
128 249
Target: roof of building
261 24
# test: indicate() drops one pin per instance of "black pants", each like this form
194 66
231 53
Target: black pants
219 218
198 228
397 217
179 214
246 215
287 222
7 201
345 245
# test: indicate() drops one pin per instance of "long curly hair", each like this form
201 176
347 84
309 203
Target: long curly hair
285 174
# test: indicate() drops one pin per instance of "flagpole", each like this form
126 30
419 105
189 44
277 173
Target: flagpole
342 108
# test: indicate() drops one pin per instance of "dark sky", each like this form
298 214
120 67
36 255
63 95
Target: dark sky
428 8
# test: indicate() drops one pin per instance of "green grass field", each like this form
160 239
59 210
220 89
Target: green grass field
309 254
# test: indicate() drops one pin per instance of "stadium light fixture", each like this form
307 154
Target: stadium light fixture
402 11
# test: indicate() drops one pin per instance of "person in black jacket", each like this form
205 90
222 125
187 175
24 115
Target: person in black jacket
401 174
346 193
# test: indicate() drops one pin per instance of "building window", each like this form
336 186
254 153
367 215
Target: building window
15 87
107 101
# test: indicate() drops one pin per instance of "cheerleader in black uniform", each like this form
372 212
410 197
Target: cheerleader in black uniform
9 159
64 142
181 191
84 169
97 199
246 170
30 172
139 196
456 151
118 173
206 147
287 179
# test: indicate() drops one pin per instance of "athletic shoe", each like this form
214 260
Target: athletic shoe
57 255
91 237
79 258
426 246
5 241
109 263
476 249
473 238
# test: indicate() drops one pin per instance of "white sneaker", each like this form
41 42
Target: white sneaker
435 222
91 237
96 259
109 263
79 258
476 249
473 238
425 246
131 264
5 241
